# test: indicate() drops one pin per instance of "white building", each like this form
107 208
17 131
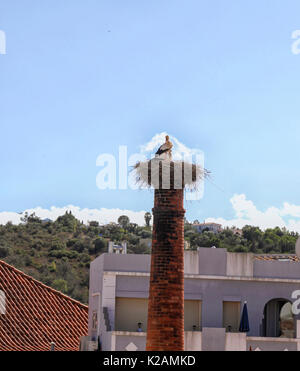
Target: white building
217 283
211 227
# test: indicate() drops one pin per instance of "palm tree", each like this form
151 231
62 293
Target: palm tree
124 221
148 218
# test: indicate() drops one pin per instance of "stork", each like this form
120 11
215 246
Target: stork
165 148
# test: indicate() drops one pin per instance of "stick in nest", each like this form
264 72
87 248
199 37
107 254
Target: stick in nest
165 174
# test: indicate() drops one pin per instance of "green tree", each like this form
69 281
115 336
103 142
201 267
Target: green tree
32 218
94 224
133 228
4 251
67 222
100 244
52 267
60 285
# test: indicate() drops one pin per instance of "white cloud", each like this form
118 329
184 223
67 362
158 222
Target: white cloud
103 216
179 150
246 213
289 209
6 216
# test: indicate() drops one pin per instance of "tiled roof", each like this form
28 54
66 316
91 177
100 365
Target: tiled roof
37 315
279 257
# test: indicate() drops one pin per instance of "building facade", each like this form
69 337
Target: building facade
211 227
216 285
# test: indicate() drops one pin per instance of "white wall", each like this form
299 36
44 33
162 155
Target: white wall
192 341
235 342
109 296
239 264
191 262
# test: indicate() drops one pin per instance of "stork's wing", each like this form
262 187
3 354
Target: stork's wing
162 149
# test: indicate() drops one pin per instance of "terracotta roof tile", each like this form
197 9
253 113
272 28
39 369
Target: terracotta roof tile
278 257
37 315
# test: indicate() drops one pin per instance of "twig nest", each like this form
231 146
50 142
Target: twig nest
167 174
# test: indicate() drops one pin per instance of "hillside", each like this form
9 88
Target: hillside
59 253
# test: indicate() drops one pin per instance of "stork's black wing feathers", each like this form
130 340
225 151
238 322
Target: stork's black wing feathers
160 151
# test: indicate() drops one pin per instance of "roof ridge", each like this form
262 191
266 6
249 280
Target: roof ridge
27 276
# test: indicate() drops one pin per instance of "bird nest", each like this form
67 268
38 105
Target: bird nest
168 174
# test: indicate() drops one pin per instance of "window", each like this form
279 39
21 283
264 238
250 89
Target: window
192 315
130 312
231 315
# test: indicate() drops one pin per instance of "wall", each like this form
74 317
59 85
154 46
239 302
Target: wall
132 286
131 341
276 269
191 262
126 262
272 344
137 341
212 261
235 342
205 261
213 339
106 341
96 278
210 339
240 265
192 341
109 297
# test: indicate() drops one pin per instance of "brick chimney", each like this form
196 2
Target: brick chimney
165 330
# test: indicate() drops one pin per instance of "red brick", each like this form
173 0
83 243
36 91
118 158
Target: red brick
166 295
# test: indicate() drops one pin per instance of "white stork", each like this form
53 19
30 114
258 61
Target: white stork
166 148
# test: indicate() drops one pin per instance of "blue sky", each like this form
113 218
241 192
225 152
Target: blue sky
81 78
